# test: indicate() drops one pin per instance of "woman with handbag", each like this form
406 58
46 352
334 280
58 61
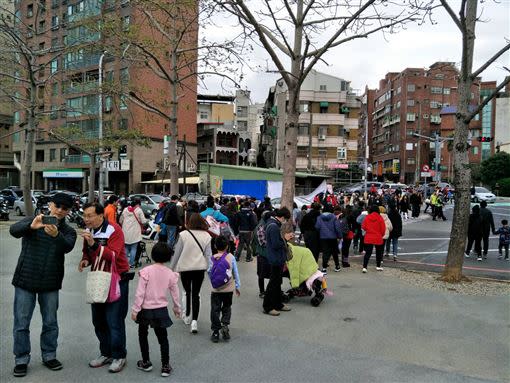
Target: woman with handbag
132 220
191 256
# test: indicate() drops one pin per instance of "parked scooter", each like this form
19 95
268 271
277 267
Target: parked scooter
4 209
76 214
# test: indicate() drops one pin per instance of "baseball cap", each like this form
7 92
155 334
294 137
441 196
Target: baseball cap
63 199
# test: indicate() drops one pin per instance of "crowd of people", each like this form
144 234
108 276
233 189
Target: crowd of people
197 239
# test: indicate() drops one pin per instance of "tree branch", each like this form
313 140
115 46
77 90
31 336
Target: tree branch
486 100
479 71
452 14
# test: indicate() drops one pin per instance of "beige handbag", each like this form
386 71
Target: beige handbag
98 282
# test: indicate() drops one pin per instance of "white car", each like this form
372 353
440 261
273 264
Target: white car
482 194
300 202
19 206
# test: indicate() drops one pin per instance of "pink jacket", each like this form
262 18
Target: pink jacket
154 282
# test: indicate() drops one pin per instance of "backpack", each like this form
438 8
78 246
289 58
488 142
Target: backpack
220 273
160 216
214 226
258 240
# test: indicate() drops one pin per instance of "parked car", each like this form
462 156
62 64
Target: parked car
483 194
200 198
53 192
394 186
360 187
19 205
11 195
106 194
149 202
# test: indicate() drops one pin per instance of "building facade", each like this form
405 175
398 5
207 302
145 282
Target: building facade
502 126
69 91
328 124
416 100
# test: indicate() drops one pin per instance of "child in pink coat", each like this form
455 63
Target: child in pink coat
150 306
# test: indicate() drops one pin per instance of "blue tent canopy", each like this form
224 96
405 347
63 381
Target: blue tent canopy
253 188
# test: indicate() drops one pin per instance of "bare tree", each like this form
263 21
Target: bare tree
465 20
163 41
298 34
24 74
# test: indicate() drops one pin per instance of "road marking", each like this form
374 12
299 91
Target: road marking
434 252
432 239
504 215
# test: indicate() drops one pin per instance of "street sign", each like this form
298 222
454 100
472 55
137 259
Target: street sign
425 168
125 165
112 166
338 166
426 174
443 167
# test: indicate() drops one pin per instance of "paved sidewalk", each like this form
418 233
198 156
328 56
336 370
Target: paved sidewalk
375 328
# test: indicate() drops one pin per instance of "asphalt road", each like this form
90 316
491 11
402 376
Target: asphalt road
424 246
375 328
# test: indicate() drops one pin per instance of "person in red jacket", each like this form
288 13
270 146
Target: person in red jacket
374 227
108 318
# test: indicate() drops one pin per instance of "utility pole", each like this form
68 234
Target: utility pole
437 140
418 149
184 187
101 162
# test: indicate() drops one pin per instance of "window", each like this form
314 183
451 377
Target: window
341 154
63 153
54 66
323 131
108 104
446 90
302 151
435 119
411 117
474 150
303 130
322 88
439 75
411 87
399 89
125 23
42 26
54 22
397 105
42 46
54 112
124 76
16 117
410 102
303 107
123 104
323 152
323 109
123 124
54 42
242 125
54 89
39 156
242 111
411 161
30 10
204 115
436 90
435 104
108 76
53 154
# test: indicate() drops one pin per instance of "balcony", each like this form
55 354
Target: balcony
6 158
328 119
85 87
77 159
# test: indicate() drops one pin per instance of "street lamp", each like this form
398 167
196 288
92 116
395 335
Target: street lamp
100 118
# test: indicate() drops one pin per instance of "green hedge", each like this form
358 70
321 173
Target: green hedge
504 187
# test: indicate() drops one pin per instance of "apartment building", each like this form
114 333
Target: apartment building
502 123
416 100
328 124
69 89
364 133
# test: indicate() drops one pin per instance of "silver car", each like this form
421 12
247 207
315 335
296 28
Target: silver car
149 202
482 194
19 205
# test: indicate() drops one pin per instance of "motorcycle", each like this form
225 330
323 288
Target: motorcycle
4 209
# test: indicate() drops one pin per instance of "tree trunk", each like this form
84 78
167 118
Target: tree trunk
172 147
461 169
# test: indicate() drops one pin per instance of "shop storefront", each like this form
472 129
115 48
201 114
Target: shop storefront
65 179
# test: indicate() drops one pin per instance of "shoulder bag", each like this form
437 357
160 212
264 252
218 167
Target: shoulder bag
98 281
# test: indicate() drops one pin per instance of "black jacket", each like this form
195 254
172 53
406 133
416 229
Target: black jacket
41 262
244 220
308 221
487 221
396 222
275 245
172 215
475 226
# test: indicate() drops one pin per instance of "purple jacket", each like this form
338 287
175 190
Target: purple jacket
329 227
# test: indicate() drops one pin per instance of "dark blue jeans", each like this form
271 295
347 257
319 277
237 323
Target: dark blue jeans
24 304
109 324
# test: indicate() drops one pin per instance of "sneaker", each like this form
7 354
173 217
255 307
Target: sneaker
324 270
249 259
395 258
346 264
100 361
225 333
485 256
364 270
500 256
337 269
272 313
379 268
262 295
467 255
285 308
187 320
117 365
479 259
194 327
144 366
53 364
386 254
166 369
215 337
507 259
20 370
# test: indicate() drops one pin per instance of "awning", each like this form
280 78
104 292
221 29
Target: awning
189 181
324 104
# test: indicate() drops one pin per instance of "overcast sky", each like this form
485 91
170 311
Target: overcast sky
365 62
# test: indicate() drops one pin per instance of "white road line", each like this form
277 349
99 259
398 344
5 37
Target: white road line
433 252
432 239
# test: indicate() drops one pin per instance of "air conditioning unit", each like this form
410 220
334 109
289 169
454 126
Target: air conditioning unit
322 137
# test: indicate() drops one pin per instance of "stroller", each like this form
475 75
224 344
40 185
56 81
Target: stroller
304 277
141 253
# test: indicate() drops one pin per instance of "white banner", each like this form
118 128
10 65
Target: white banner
274 189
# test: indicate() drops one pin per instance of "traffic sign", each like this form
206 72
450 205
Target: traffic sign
112 166
425 168
426 174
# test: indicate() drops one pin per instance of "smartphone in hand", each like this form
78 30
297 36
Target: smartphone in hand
49 220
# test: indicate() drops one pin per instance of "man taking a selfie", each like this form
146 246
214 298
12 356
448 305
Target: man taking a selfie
38 276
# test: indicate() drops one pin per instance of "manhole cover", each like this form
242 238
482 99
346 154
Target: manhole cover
348 319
